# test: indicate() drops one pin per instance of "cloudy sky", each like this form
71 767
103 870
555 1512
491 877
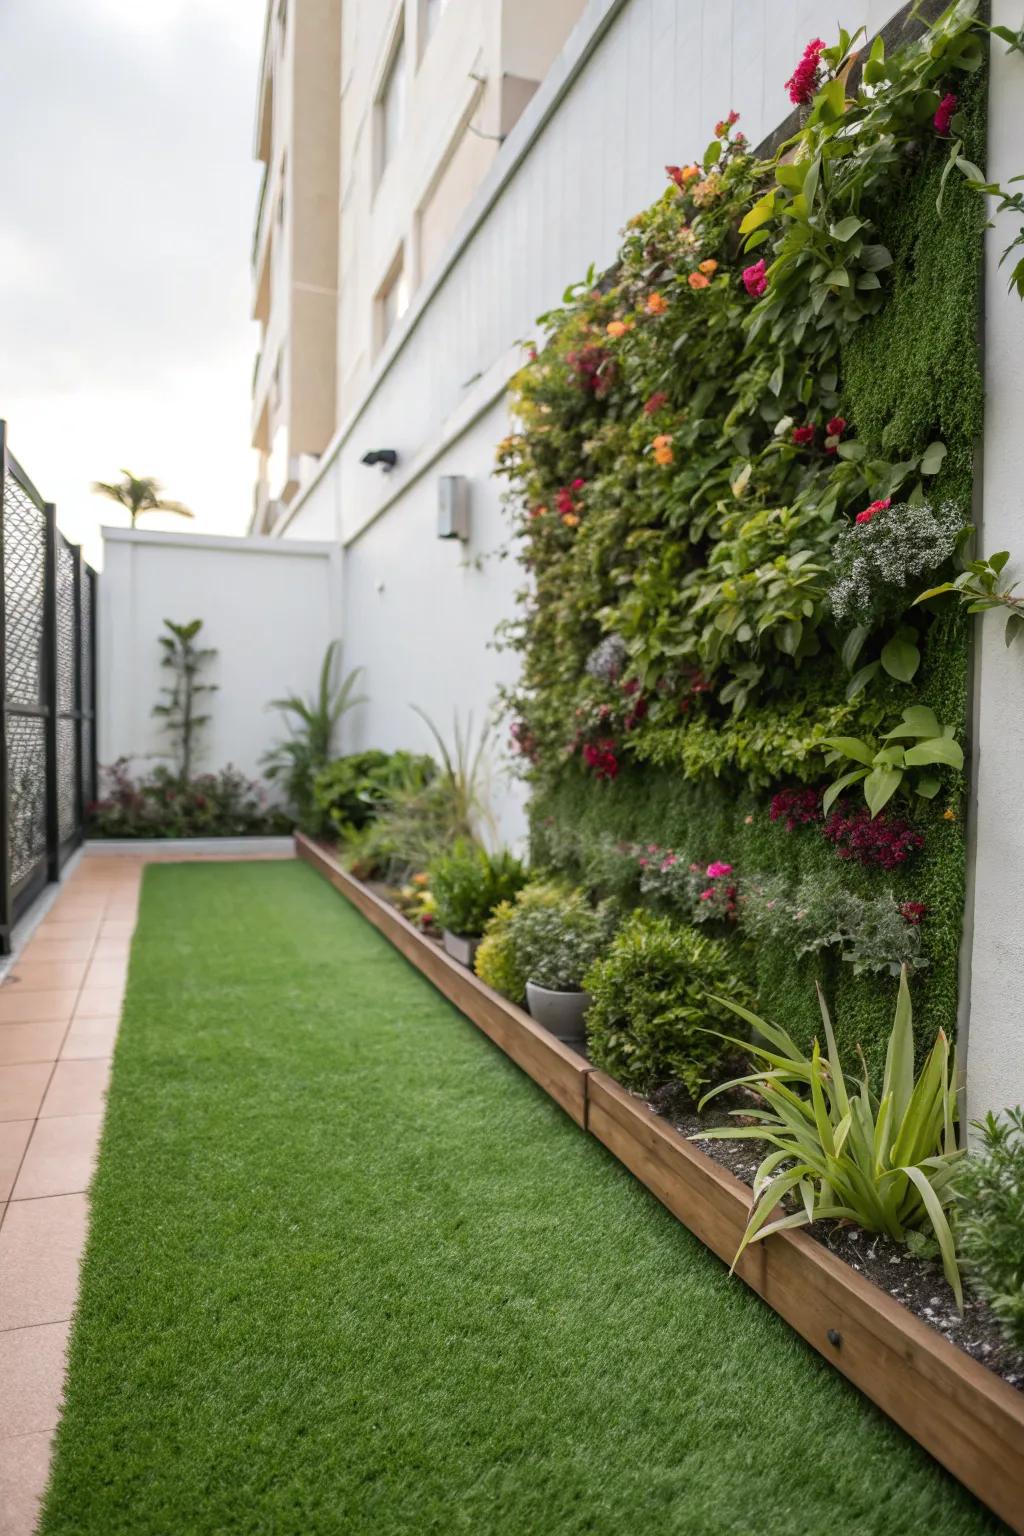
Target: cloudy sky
128 199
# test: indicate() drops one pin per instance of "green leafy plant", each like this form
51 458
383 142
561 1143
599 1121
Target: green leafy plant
550 934
463 772
886 1162
990 1218
352 790
311 724
139 494
468 883
874 935
654 997
979 589
886 768
185 660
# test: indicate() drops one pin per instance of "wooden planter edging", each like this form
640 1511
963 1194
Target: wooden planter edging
969 1419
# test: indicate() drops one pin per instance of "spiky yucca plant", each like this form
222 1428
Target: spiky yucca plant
843 1153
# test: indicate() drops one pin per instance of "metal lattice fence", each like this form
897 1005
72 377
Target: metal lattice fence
47 689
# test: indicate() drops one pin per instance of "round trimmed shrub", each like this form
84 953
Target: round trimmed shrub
652 1004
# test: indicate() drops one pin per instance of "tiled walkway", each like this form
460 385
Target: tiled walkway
59 1012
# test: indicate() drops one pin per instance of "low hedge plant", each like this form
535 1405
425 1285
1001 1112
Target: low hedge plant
550 935
469 883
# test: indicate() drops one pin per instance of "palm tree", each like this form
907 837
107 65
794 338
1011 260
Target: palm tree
139 494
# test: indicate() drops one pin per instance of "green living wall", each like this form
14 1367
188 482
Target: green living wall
739 459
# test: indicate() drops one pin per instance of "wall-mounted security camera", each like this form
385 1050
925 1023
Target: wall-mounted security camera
387 458
453 507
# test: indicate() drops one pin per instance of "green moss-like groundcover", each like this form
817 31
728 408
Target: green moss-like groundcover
350 1271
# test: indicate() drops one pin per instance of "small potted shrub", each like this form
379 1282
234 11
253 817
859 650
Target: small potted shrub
539 948
467 884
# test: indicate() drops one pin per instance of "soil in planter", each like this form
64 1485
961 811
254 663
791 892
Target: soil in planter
918 1284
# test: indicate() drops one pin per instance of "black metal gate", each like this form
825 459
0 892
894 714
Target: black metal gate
47 691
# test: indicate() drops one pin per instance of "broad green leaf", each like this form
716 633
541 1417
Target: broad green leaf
875 258
918 720
947 586
846 228
860 680
853 645
880 786
940 750
851 746
901 659
761 212
833 792
931 459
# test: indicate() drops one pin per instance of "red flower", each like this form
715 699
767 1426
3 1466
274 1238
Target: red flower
871 840
797 806
600 756
803 435
913 911
873 510
722 128
806 78
834 430
944 116
755 279
655 403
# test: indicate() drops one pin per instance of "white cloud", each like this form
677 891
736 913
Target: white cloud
124 278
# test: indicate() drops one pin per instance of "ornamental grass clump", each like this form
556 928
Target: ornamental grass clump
889 1163
990 1226
654 1002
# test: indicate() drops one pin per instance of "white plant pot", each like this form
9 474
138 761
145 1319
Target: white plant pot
563 1013
462 947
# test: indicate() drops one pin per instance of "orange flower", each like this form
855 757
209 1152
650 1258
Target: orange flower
616 328
537 511
708 266
662 446
695 280
570 519
690 172
949 814
656 304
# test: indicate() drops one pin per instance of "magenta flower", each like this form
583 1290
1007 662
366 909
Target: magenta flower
755 279
806 78
944 116
716 870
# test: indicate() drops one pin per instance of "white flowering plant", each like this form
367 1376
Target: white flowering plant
887 549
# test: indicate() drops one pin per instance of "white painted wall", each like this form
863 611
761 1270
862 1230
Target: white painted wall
268 608
995 1023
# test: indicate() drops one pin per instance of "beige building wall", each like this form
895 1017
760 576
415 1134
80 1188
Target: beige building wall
295 248
429 90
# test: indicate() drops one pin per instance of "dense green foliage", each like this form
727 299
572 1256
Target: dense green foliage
297 760
468 882
349 1272
350 791
991 1218
738 462
653 1009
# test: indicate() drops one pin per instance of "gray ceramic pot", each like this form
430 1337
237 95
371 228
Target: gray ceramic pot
460 946
560 1012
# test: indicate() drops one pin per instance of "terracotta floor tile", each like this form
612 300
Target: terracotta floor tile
24 1469
41 1245
76 1088
53 927
14 1135
31 1378
112 949
32 975
21 1090
60 1157
88 1039
98 1002
117 928
30 1042
106 973
38 950
36 1007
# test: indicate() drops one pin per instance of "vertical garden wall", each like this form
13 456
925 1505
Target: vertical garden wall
741 458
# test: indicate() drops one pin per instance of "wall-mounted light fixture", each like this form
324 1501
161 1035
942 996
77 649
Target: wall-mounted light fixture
453 507
387 458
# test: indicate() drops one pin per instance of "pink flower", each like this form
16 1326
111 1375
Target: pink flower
944 116
655 403
834 430
716 870
873 510
755 279
803 435
707 895
806 78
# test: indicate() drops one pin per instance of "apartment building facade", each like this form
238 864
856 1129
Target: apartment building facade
376 123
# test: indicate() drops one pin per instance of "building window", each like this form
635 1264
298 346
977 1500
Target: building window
391 106
392 300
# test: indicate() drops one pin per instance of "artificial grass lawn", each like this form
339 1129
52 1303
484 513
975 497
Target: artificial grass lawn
350 1271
